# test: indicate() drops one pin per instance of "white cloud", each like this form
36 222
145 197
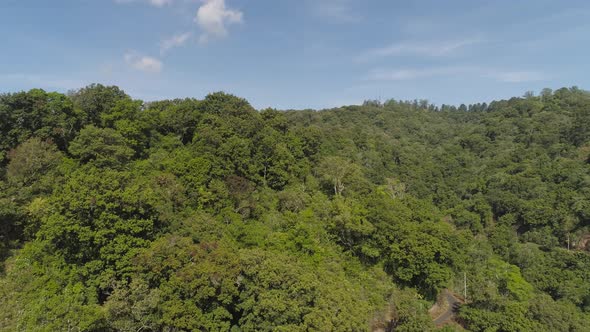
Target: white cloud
157 3
412 73
337 10
213 17
517 76
174 41
406 74
429 49
160 3
143 63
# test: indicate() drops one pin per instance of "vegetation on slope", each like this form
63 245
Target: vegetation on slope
182 215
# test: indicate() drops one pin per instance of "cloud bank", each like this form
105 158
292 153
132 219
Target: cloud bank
406 74
427 49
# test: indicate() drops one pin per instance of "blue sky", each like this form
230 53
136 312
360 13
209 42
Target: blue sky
297 53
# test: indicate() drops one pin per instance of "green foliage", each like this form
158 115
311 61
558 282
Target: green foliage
409 314
183 215
424 256
102 146
214 286
30 161
99 218
42 293
47 116
337 171
97 100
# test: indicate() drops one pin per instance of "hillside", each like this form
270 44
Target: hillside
184 215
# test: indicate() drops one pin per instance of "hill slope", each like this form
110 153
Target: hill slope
180 215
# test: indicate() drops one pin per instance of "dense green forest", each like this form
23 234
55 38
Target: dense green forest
209 215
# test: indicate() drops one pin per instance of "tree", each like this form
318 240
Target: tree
104 147
337 171
31 160
96 99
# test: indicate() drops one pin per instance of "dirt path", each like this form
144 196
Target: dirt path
583 243
452 304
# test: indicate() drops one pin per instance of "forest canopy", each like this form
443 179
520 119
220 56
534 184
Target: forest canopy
209 215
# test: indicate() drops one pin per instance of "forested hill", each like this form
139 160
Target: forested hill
208 215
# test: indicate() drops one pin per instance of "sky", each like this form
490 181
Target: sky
297 54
